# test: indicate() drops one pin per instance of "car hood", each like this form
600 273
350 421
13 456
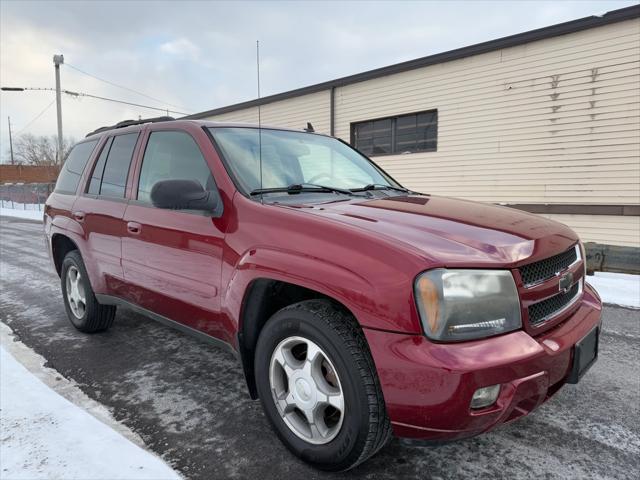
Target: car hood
452 232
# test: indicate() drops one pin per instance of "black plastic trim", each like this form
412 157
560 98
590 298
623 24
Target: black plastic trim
111 300
129 123
576 372
630 210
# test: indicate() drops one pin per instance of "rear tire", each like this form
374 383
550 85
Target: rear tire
83 310
346 374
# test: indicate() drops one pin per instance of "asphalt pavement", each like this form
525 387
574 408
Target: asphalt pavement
188 401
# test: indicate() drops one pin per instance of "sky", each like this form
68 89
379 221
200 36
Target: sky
195 56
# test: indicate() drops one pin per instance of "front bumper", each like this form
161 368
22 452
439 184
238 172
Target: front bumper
428 386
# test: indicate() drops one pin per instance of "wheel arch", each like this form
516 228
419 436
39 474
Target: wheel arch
263 297
61 245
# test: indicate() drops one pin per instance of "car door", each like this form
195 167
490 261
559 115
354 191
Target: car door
100 208
172 259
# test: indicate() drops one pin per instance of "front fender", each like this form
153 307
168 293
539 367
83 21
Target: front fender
380 305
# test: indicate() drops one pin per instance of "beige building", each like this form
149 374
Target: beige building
547 121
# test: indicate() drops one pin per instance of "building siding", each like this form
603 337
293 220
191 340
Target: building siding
291 113
552 121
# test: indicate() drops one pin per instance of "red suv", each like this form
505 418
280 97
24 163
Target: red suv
357 308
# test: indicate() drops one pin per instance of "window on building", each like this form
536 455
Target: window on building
415 132
74 166
116 168
172 156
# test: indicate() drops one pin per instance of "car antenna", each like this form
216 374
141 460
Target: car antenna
259 118
309 128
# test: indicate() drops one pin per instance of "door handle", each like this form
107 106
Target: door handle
134 228
79 216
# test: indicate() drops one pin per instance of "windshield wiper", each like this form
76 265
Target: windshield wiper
380 186
303 187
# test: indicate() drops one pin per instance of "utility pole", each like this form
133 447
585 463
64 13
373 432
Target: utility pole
57 61
10 141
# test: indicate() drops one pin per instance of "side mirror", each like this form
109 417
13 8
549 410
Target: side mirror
183 195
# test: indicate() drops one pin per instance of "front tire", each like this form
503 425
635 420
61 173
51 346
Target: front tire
318 386
83 310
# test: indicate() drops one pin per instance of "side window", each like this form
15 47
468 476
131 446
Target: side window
172 156
116 169
98 170
74 166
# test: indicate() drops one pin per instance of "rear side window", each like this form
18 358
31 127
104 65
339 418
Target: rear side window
172 156
116 166
98 170
74 166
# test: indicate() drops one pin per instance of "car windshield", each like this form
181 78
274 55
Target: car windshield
294 158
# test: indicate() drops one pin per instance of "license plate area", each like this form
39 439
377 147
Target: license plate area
585 354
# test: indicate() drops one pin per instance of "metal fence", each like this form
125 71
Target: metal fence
25 196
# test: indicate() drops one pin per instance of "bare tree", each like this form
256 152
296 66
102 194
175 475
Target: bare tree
29 149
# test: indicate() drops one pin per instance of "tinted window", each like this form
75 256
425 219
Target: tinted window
427 131
96 176
416 132
375 136
172 156
114 179
74 166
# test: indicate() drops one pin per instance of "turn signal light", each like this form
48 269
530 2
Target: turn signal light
428 292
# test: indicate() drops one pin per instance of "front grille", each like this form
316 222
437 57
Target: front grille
548 268
541 311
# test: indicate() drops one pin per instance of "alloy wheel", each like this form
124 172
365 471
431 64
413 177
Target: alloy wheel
76 296
306 390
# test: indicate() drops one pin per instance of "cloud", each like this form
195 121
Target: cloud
181 47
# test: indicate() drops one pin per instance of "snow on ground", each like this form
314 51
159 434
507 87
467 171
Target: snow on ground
21 206
617 288
28 214
44 435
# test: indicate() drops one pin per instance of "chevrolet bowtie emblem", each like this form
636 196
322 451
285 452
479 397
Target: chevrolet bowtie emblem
566 282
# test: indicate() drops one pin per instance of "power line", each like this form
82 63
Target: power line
81 94
124 88
35 118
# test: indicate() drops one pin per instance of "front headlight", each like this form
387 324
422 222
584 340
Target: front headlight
457 305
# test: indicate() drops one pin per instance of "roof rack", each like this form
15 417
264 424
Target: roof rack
128 123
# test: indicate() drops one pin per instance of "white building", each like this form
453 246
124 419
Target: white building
547 121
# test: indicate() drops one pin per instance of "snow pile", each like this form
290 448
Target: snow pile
21 206
29 214
617 288
46 436
28 211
